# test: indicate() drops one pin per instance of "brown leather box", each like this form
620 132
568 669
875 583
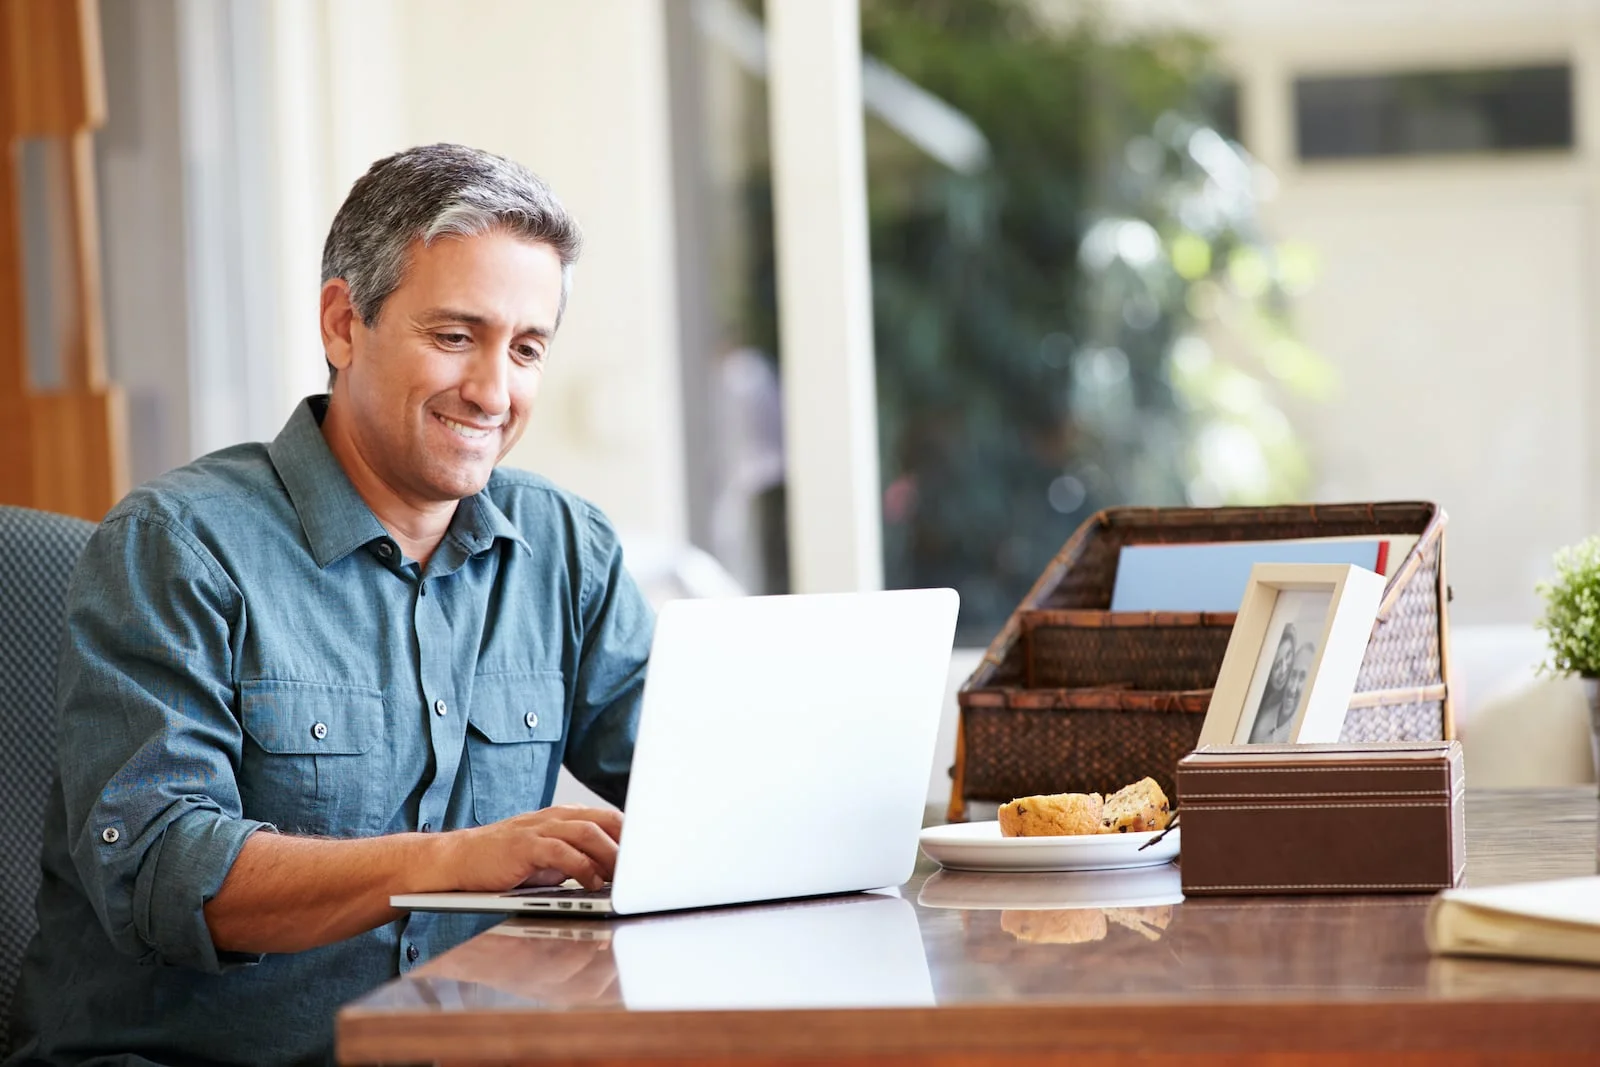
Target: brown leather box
1368 818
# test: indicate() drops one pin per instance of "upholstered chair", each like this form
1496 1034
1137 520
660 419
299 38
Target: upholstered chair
37 553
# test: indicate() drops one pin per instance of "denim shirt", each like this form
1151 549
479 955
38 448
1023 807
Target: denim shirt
248 650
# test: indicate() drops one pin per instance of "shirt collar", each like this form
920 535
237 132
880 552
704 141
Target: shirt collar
335 519
479 522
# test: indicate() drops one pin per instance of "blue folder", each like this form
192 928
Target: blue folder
1213 577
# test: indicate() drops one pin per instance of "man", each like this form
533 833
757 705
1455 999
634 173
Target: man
304 676
1295 689
1266 727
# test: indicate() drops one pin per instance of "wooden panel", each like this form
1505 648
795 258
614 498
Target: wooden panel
16 449
63 451
79 463
83 352
1079 1059
13 331
1119 1059
53 56
16 433
1051 1032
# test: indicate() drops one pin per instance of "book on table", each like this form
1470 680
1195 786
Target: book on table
1555 920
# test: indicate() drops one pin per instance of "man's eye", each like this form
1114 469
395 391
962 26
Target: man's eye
527 353
451 340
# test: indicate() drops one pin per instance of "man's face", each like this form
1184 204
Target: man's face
1281 662
439 388
1299 668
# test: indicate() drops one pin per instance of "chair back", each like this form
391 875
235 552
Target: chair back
38 551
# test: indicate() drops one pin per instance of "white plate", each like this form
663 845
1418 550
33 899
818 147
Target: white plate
1135 887
978 846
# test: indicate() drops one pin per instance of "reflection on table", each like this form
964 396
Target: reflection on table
857 951
1063 908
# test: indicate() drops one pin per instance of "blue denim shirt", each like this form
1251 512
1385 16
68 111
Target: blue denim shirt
248 650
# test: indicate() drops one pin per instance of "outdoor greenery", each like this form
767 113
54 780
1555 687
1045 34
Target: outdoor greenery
1571 618
1090 317
1089 314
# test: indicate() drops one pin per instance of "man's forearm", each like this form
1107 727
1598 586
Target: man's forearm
287 894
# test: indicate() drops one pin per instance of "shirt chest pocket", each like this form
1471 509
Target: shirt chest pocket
314 761
514 733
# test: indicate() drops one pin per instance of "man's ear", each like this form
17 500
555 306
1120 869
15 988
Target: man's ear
338 322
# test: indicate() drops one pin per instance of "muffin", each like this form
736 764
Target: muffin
1051 816
1134 808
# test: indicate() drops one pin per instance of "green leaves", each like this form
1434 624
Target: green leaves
1571 618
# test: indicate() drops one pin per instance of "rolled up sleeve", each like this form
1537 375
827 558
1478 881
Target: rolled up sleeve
618 625
148 741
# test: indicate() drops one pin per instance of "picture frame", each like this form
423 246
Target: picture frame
1294 654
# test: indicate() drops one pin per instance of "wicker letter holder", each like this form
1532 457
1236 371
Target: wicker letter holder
1071 697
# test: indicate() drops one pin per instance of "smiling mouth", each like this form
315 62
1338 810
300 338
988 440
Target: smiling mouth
461 429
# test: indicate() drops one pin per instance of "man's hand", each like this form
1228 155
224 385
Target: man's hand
544 847
554 972
288 894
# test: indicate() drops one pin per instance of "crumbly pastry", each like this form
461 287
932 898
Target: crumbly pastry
1050 816
1064 927
1134 808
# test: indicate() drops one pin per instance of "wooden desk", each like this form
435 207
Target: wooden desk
1302 981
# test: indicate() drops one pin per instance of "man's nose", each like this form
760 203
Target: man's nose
486 385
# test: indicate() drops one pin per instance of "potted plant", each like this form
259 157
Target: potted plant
1571 621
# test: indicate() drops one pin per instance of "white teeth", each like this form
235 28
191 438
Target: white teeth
463 430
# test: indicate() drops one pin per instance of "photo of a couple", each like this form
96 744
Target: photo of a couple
1281 674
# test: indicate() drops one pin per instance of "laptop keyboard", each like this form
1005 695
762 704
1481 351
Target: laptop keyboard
576 892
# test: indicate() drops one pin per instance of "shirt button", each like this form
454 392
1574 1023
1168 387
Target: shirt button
319 731
440 707
110 835
412 953
386 550
532 719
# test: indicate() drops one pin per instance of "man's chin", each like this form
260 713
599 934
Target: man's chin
460 485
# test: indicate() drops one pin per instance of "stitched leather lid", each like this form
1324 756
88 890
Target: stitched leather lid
1389 769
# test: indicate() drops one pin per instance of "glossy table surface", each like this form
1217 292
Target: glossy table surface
1109 967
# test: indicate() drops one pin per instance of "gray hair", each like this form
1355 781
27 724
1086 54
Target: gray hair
433 191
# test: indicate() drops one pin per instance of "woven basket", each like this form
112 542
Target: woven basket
1071 697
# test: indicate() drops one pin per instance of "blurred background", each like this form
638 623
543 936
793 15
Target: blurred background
899 292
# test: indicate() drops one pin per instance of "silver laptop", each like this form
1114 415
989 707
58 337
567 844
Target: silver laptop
784 748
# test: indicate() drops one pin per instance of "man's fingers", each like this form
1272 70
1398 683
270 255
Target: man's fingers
543 848
546 876
607 819
550 851
589 839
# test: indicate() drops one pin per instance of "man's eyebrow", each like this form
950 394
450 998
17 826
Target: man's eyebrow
471 318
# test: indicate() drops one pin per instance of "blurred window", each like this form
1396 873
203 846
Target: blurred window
1416 113
726 272
1063 234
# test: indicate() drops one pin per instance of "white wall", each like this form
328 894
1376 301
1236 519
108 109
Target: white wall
577 92
1457 320
1457 302
1455 297
143 266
